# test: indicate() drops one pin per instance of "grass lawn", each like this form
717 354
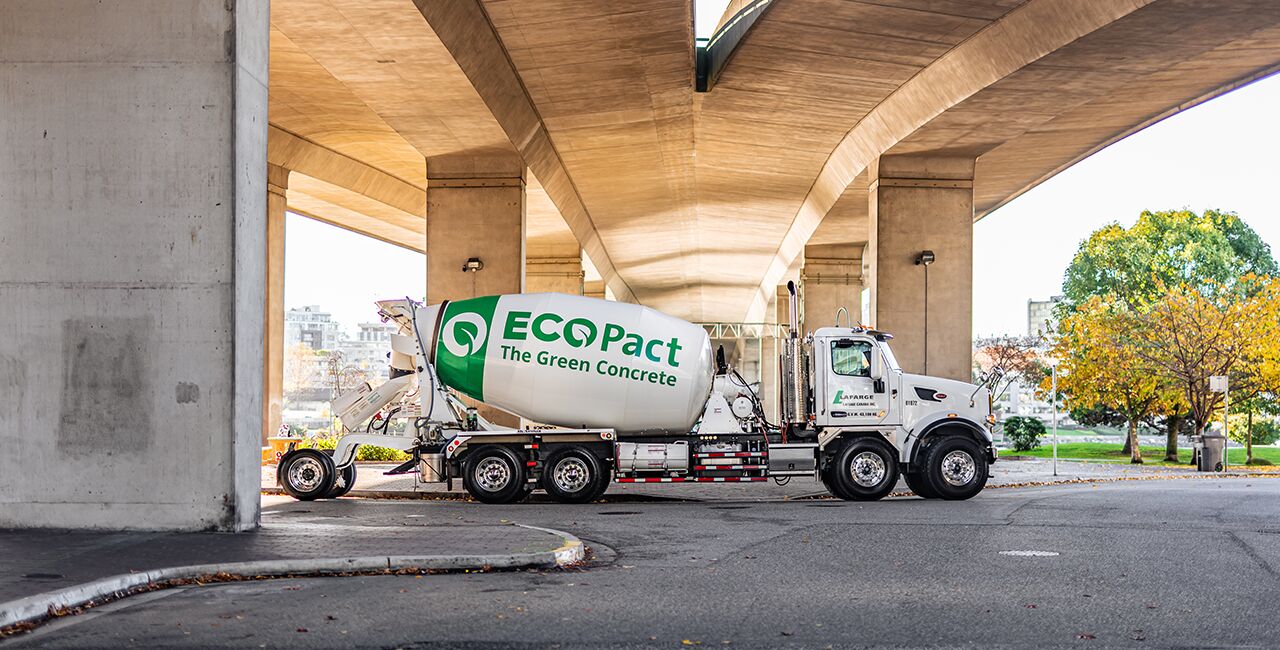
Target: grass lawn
1112 452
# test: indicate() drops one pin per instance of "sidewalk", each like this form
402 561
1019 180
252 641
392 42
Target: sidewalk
41 563
371 482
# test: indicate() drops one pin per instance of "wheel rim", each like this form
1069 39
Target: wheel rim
867 469
305 474
571 475
492 474
958 468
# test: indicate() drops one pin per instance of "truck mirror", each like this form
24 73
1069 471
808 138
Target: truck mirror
877 366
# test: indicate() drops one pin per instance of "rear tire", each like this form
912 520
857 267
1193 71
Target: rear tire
494 475
954 468
918 485
306 474
864 469
573 475
344 479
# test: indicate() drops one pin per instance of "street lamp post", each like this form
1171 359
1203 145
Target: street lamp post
1053 367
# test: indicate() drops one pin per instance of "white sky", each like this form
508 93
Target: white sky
1224 154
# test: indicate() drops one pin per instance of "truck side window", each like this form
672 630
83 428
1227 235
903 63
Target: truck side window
852 361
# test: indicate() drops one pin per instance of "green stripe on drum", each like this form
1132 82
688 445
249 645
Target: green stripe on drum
463 344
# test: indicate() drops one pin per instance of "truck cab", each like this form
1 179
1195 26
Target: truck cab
859 391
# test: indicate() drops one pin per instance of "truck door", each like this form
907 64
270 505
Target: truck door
853 397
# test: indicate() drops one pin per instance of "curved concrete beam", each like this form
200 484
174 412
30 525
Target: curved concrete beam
298 154
1023 36
464 29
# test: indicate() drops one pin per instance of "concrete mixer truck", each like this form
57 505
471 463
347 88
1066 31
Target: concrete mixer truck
625 394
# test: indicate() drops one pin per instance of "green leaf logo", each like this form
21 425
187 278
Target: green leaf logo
465 334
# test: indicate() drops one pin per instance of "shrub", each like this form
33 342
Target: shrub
1023 432
364 452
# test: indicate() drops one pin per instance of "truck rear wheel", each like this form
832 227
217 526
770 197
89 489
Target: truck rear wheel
573 475
954 468
494 475
864 469
918 485
306 474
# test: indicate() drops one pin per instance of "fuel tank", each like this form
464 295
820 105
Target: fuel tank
572 361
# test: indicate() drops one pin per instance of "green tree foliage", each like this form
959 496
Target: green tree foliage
1206 252
1023 432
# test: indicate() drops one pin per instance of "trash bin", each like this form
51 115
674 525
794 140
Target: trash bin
1211 451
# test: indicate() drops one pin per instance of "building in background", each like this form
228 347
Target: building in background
368 349
1040 314
311 327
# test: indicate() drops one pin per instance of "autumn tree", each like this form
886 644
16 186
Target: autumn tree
1017 357
1188 336
1101 364
1207 252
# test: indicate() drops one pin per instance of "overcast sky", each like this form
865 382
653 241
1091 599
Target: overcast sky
1224 154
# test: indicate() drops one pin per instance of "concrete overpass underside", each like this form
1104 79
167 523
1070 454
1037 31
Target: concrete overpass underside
552 139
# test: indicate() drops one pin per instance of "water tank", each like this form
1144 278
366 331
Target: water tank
572 361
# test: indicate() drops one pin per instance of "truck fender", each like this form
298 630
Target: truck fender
833 440
942 426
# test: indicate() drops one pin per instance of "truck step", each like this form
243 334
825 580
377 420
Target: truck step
697 468
731 454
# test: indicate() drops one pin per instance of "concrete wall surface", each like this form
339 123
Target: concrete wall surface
132 226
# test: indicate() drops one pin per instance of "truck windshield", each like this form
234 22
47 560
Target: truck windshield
888 356
853 361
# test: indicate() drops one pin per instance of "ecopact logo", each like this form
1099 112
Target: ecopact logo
465 334
581 333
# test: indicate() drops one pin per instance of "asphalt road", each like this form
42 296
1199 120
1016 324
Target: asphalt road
1146 564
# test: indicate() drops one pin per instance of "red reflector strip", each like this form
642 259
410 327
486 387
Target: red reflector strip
728 467
731 454
730 479
672 479
531 463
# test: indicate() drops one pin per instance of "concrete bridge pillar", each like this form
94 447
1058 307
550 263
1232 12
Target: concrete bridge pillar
475 210
132 263
273 338
475 233
831 279
919 204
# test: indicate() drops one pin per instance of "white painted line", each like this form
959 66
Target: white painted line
1030 553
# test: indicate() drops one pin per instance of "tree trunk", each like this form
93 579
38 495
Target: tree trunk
1135 454
1174 423
1248 439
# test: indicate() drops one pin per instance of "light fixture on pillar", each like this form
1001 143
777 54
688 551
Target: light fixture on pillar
925 258
472 265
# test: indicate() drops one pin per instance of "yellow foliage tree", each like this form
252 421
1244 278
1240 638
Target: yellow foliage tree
1101 363
1188 337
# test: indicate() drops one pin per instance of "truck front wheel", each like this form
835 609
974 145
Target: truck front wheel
954 468
864 469
573 475
494 475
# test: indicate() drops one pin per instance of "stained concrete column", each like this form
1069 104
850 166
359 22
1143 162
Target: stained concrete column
132 262
273 339
923 203
831 279
476 209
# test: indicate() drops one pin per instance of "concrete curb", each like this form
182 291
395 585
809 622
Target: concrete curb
37 608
